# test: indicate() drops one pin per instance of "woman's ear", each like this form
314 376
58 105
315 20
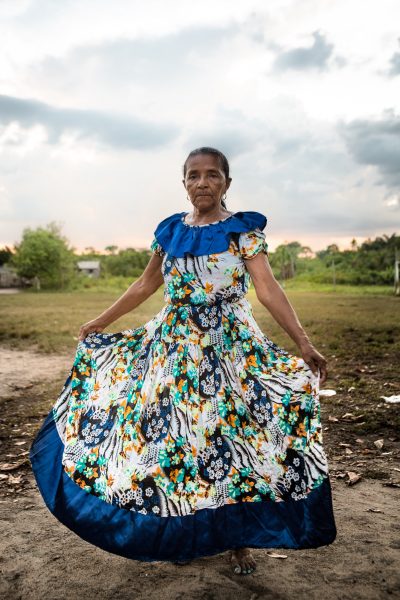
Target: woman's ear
184 185
228 182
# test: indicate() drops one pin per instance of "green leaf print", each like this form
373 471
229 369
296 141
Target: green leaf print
164 458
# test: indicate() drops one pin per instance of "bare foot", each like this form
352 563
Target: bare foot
242 561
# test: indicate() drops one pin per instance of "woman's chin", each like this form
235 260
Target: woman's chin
204 202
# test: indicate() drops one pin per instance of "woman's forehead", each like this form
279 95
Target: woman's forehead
203 161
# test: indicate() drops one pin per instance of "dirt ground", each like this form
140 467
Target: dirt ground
40 559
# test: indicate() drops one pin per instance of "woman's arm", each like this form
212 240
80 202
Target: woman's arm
272 296
138 292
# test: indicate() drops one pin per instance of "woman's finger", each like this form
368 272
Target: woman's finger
82 333
313 365
324 372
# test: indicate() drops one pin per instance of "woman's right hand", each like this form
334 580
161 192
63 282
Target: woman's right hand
91 326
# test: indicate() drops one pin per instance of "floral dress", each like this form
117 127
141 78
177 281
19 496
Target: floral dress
194 433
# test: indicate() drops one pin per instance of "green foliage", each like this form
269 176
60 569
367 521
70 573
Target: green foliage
5 255
127 263
105 283
44 253
285 258
372 263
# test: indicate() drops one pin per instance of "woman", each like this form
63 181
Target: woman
194 433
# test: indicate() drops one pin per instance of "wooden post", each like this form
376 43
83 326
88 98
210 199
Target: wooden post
292 265
333 273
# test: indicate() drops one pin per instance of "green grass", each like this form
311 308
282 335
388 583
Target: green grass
359 335
334 321
51 321
120 283
354 290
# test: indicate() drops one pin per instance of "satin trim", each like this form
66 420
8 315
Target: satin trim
177 239
307 523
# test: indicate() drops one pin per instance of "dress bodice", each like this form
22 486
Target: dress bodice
205 264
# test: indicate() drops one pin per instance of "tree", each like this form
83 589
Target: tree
90 251
44 253
111 249
5 255
285 257
128 262
354 245
306 252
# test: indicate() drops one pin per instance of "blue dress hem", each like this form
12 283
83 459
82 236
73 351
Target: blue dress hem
293 524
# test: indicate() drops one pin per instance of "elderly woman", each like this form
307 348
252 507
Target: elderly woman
195 433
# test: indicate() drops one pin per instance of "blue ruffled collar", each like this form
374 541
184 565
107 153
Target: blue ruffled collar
178 238
204 224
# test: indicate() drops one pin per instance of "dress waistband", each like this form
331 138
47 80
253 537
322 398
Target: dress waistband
206 316
217 302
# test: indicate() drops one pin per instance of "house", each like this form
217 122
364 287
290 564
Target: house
91 268
9 278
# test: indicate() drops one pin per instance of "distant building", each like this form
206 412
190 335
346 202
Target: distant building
91 268
9 278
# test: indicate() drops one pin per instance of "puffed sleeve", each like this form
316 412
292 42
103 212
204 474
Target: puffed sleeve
252 243
156 247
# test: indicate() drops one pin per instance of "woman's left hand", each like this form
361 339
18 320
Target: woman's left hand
315 361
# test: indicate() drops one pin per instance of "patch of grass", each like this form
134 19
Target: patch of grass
346 326
51 321
354 290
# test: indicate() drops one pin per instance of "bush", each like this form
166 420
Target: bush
44 253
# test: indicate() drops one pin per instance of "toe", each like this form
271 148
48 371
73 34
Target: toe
250 563
238 567
242 562
235 566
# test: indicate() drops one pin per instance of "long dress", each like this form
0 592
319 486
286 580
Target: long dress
193 433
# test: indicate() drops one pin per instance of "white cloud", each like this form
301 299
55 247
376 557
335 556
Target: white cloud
101 104
302 58
121 131
376 141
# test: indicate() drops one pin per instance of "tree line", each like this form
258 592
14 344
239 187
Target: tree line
45 254
370 263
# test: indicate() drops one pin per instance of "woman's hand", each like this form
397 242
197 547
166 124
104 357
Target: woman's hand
315 360
91 326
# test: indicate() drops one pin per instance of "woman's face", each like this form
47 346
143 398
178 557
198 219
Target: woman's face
205 181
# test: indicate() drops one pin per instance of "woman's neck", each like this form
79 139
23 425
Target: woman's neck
202 217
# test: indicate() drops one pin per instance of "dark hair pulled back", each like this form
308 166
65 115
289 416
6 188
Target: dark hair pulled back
223 161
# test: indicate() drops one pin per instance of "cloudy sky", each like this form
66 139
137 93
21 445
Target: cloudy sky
101 101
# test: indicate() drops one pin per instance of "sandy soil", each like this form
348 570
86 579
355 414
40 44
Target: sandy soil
41 559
